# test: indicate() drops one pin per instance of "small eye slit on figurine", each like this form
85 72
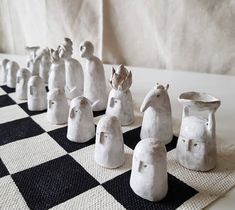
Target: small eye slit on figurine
157 120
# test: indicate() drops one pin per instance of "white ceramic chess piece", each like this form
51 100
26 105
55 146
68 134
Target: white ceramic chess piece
74 78
157 120
45 64
120 102
37 96
149 170
196 147
57 107
57 73
81 127
22 78
31 55
12 68
4 70
109 146
94 78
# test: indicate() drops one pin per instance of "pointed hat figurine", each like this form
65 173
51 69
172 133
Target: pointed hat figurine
81 127
4 70
149 170
157 120
120 102
109 146
22 78
12 68
94 78
74 77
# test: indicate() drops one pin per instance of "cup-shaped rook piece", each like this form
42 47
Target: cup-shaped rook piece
22 78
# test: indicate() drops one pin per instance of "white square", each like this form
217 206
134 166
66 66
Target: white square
29 152
10 196
10 113
41 119
18 101
2 92
85 157
95 198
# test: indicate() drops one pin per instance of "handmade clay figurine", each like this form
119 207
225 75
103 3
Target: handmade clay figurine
81 127
22 78
74 78
45 64
120 102
4 70
149 170
37 96
57 74
157 120
94 78
12 68
57 107
109 146
196 147
31 55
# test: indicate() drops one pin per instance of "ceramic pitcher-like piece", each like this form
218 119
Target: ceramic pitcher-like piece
157 120
120 102
149 170
22 78
196 147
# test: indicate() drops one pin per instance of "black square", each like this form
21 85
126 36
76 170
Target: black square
18 129
53 182
98 113
132 137
5 100
178 193
59 135
7 89
24 106
3 169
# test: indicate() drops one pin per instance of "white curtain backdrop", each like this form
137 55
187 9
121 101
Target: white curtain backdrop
191 35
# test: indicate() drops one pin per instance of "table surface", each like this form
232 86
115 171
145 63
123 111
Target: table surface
220 86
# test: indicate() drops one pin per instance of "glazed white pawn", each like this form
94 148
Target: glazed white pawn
149 170
57 73
157 120
4 70
37 96
109 146
74 77
57 107
120 102
22 78
12 68
94 78
45 64
81 127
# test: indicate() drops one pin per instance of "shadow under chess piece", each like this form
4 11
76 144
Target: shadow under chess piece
37 96
4 70
81 127
109 146
22 78
149 170
12 68
94 78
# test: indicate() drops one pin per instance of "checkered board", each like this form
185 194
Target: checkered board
41 169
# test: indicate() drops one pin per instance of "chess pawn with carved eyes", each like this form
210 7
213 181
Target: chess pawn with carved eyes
157 120
4 70
57 107
81 127
74 78
109 146
22 78
12 68
120 102
149 170
94 78
37 96
45 64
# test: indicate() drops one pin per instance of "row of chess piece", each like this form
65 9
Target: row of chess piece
74 92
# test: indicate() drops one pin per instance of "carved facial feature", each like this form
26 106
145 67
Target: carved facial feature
114 102
86 49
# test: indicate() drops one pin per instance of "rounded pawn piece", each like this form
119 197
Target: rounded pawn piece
4 70
12 68
149 170
81 127
57 107
22 78
109 146
37 96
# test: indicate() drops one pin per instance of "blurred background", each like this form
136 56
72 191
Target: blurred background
190 35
